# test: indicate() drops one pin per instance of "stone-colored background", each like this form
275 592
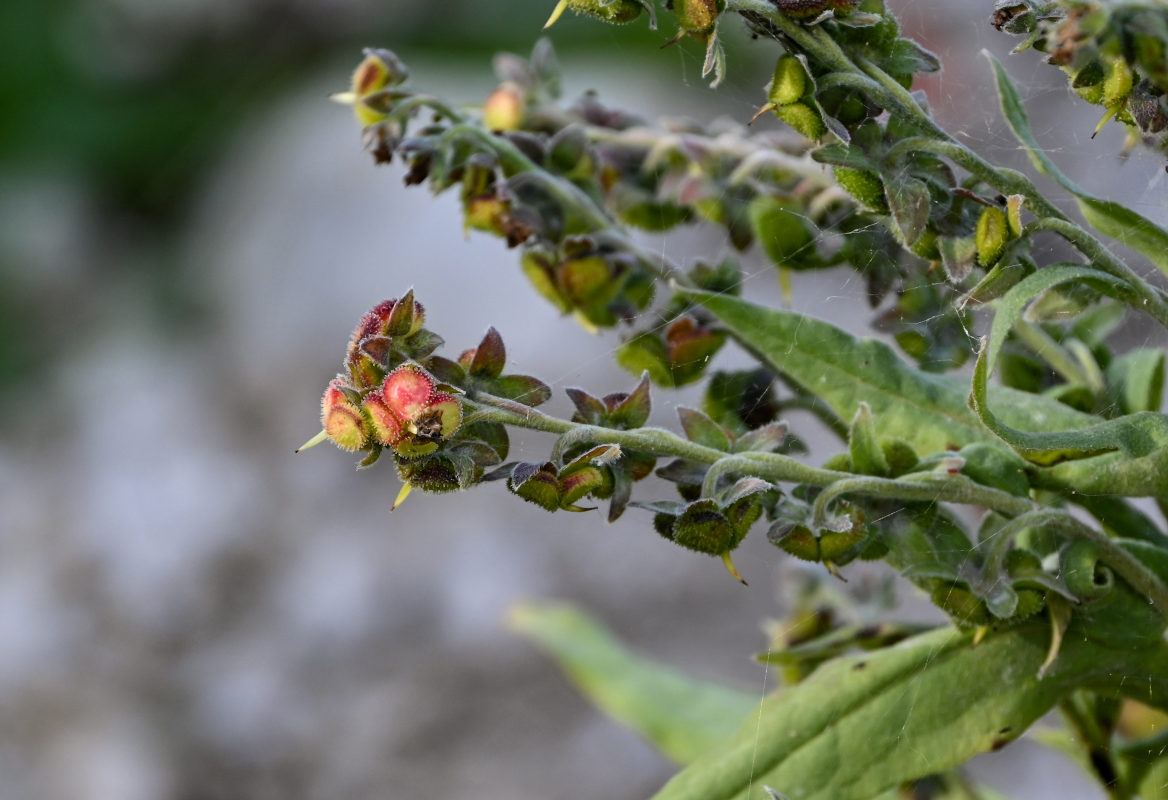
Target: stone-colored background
188 612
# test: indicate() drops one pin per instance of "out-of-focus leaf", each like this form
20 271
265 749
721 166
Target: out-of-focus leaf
683 717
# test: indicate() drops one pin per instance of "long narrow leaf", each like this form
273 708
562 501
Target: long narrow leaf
1108 217
684 718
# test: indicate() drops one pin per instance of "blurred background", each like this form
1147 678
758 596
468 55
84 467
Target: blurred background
188 233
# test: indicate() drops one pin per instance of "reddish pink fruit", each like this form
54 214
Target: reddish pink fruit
342 420
387 428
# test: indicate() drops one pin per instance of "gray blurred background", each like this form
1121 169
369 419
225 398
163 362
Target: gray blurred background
188 233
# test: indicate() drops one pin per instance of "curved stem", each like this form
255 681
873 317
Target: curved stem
1153 300
1126 565
725 466
928 486
1054 354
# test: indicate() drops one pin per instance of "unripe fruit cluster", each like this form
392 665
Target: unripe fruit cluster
406 413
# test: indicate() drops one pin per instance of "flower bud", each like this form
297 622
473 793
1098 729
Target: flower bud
342 421
865 186
505 108
993 234
386 319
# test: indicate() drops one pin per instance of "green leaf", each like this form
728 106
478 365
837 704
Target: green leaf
1137 379
1139 440
865 723
863 446
1106 216
926 410
682 717
908 198
786 235
703 430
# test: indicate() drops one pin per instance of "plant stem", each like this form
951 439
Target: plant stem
1045 347
1153 300
773 467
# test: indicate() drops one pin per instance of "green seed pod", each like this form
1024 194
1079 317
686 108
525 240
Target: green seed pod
1093 94
789 81
435 474
993 233
962 605
697 16
926 246
900 455
1118 83
536 483
865 186
1030 602
834 545
797 540
618 12
663 524
803 118
703 528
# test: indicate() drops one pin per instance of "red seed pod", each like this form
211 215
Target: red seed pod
408 390
386 427
342 421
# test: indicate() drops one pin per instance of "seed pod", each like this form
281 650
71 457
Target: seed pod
697 16
803 118
342 421
618 12
703 528
1030 602
1118 83
961 604
993 233
536 483
865 186
385 426
788 83
505 108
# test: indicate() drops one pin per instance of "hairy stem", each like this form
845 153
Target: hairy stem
773 467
